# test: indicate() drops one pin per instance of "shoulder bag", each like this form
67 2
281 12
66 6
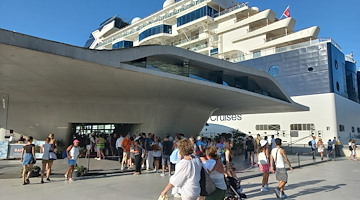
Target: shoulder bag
207 185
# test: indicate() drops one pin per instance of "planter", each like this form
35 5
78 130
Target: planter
76 173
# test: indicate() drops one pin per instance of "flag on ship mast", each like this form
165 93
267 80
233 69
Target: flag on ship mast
286 13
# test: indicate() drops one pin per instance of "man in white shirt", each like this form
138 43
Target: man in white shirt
119 148
278 158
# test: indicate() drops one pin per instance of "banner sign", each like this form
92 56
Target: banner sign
15 150
4 146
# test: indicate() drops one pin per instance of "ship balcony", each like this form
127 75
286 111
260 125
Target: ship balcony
156 39
191 41
260 19
290 39
230 12
196 24
287 23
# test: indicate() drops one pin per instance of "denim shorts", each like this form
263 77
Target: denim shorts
71 162
28 159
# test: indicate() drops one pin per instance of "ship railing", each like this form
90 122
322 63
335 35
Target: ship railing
197 48
283 49
186 40
228 10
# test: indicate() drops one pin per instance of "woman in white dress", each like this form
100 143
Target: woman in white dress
187 173
321 148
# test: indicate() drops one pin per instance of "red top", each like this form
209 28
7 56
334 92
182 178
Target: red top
126 143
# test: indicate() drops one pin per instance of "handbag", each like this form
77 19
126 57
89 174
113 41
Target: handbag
207 185
52 156
163 197
33 161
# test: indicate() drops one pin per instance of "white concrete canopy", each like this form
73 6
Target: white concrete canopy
51 85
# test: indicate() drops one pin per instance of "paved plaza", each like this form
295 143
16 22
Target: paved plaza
328 180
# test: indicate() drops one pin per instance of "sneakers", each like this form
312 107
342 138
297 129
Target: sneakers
162 174
267 186
177 195
277 192
283 196
66 176
264 189
71 179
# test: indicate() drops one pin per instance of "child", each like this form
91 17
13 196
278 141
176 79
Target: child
264 165
137 151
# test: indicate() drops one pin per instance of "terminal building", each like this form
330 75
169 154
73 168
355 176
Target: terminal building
194 62
313 71
50 87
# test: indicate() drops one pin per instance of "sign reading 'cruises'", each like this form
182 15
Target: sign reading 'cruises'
224 118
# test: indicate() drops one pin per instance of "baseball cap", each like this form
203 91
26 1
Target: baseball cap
76 141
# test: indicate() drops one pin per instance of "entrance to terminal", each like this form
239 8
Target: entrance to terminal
82 129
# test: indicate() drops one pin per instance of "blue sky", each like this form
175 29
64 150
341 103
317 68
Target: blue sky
71 21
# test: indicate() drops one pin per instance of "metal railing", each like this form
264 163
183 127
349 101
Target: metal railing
197 48
186 40
287 48
228 10
313 153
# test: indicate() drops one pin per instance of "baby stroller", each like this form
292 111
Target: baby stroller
234 189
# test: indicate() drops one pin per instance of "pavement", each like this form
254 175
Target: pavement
335 179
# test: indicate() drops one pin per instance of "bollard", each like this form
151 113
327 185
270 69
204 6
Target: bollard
298 159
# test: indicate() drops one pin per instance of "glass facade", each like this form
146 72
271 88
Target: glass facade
155 30
122 44
201 73
196 14
214 51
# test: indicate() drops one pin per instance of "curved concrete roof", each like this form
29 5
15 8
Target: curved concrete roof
31 68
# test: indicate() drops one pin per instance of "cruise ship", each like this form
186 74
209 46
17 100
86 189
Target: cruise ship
313 71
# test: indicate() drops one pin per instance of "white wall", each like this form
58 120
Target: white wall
348 114
322 114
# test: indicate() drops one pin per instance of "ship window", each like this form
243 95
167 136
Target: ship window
302 127
353 129
341 128
122 44
310 69
274 70
155 30
196 14
256 54
337 86
336 64
268 127
214 51
358 129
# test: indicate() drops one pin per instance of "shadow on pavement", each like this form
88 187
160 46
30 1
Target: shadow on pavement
313 190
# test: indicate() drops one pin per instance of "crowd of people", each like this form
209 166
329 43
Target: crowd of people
180 158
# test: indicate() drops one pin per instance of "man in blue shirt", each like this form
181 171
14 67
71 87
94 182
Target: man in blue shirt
313 146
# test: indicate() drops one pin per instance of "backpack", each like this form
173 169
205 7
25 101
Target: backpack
310 143
350 148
